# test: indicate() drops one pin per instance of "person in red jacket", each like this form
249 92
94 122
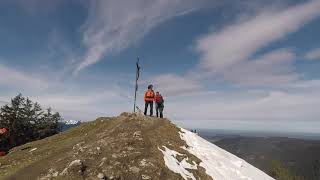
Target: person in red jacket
3 131
148 99
159 104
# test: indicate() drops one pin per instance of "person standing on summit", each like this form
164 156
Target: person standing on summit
148 99
159 104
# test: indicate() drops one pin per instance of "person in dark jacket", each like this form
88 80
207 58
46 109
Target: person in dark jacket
159 104
148 99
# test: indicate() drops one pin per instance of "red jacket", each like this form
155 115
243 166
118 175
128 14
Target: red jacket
3 131
158 98
149 95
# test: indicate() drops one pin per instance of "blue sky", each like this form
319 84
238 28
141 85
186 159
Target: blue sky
250 65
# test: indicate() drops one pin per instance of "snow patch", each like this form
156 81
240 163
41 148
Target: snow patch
174 165
71 122
218 163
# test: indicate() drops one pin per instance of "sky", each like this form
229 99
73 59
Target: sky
234 65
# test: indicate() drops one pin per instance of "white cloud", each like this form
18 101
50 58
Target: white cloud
291 104
236 44
10 77
113 25
306 85
84 106
72 100
174 85
275 67
313 54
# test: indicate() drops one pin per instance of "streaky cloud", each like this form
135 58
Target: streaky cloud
235 45
114 25
314 54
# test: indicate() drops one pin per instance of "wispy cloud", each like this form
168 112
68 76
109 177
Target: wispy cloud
10 77
272 68
235 45
293 103
114 25
175 85
313 54
84 106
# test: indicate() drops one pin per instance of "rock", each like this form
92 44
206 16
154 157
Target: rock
130 148
114 178
123 135
102 161
75 166
77 162
137 134
79 147
145 176
55 174
64 172
145 163
51 173
101 176
33 149
134 169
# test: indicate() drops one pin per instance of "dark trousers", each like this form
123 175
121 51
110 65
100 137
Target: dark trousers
146 107
159 110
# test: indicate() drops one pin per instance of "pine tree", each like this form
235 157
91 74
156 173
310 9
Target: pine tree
27 121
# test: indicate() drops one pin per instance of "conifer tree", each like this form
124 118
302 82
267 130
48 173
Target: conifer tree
26 121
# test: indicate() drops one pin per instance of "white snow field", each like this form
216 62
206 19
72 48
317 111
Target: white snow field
178 167
218 163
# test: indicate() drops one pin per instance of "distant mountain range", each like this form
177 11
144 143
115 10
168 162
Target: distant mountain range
65 125
300 156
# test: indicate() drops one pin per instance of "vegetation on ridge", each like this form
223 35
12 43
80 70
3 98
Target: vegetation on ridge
123 147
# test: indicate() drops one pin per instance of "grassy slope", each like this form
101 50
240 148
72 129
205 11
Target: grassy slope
124 147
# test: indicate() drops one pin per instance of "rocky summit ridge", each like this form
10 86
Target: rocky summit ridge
128 147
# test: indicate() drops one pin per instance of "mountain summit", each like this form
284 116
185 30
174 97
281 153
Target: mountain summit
130 146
